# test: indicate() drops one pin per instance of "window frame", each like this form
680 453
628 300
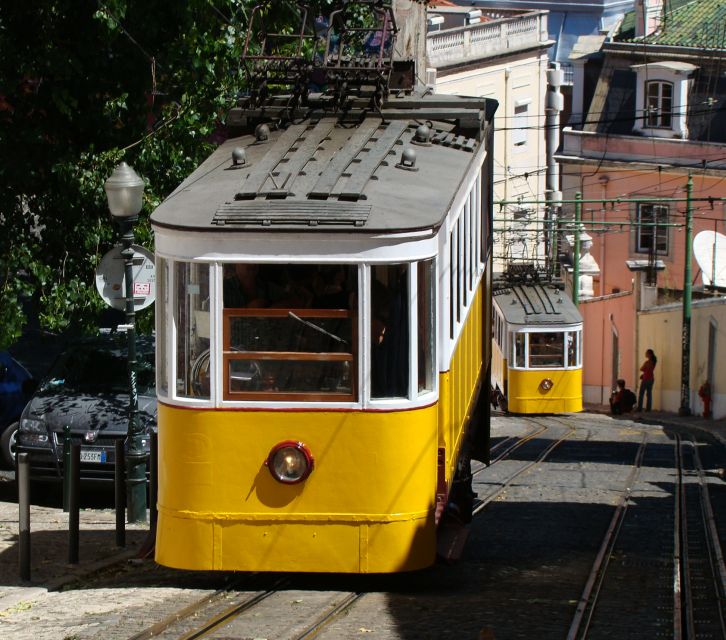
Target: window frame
658 115
660 248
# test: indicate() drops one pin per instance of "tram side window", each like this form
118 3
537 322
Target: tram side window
389 331
289 331
520 349
192 328
546 349
162 306
573 348
426 327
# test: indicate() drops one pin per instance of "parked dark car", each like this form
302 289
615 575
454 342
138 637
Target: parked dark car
16 387
87 389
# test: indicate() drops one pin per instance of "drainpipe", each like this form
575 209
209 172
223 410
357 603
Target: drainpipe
554 104
685 409
576 257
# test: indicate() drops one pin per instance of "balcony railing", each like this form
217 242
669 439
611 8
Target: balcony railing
503 35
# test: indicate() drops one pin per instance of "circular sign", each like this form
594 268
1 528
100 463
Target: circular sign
111 281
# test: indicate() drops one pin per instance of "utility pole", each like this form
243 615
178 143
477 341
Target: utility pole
685 408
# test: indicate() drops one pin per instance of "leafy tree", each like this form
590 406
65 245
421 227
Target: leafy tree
83 85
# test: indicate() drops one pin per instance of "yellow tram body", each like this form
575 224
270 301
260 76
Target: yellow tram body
220 509
259 468
536 350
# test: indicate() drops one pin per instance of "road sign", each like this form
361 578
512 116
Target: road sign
110 280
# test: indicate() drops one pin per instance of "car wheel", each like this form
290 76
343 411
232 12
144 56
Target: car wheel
8 443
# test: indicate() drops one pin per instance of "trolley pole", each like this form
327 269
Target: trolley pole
576 257
685 408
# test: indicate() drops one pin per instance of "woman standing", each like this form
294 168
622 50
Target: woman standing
646 380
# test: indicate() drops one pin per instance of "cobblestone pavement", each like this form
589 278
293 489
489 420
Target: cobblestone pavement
79 602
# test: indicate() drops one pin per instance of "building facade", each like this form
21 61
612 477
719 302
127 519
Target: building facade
501 55
656 123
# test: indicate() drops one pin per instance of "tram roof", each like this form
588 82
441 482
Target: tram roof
536 304
322 174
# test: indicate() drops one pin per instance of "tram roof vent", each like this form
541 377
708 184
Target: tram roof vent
248 213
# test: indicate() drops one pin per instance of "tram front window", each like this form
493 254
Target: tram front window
546 350
289 331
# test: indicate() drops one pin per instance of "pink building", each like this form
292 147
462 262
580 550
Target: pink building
656 114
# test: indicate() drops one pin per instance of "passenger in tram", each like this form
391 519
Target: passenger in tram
622 400
243 286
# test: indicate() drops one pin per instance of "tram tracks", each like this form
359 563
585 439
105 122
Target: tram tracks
232 611
482 501
677 573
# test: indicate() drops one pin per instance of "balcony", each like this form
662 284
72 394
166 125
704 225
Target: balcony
493 37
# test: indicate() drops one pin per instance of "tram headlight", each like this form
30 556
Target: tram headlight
290 462
546 384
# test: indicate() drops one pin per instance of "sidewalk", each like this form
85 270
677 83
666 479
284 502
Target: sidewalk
714 428
50 570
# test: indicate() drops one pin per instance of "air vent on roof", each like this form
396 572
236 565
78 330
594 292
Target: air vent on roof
286 213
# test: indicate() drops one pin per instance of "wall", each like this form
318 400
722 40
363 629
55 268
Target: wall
514 81
602 317
660 329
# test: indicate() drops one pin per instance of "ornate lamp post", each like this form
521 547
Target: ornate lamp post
124 190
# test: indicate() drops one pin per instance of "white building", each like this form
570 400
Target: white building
501 55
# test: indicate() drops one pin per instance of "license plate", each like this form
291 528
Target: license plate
93 456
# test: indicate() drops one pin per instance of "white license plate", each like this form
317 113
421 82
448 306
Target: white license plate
93 456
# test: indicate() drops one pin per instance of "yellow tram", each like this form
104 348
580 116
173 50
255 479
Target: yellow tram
536 350
323 293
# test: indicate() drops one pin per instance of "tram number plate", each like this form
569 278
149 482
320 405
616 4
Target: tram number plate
93 456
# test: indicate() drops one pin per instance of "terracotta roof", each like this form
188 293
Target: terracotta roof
685 23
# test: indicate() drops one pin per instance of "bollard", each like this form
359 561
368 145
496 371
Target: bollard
23 479
74 503
153 478
119 484
66 465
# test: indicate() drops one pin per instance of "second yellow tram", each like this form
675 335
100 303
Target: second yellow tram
536 349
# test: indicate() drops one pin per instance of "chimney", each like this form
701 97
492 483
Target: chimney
648 15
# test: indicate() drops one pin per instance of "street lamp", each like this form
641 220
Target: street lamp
124 191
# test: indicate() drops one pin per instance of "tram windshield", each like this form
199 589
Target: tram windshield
288 330
292 332
546 349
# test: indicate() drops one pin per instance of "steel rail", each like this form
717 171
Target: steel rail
518 442
715 553
483 502
196 606
677 573
338 610
586 605
224 617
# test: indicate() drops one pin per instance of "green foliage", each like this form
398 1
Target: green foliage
84 84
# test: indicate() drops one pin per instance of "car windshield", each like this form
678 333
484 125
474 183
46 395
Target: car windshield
100 369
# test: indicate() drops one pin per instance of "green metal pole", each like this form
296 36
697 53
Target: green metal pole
685 408
576 257
135 455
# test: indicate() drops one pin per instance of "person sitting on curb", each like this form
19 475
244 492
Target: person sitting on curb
622 400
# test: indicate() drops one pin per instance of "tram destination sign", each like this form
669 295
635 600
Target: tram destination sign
111 281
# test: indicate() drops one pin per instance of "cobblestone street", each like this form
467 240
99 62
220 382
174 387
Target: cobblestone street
537 531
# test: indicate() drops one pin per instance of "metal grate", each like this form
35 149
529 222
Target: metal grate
272 212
